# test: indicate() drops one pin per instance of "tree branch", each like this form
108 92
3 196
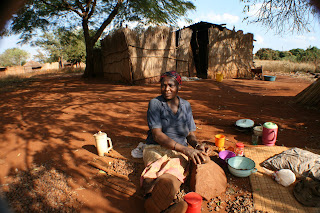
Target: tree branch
80 6
88 6
47 3
108 20
92 9
72 8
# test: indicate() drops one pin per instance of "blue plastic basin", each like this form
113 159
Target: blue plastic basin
269 78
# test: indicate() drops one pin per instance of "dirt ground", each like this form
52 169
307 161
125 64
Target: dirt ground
48 158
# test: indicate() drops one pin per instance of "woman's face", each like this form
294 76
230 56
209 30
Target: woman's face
169 88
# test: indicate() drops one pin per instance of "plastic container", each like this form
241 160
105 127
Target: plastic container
239 149
103 143
219 140
194 201
285 177
269 133
257 130
219 77
255 139
269 78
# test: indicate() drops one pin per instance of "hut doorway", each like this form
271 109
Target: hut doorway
199 45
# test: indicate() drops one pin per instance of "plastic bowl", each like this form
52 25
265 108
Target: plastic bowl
269 78
241 166
226 154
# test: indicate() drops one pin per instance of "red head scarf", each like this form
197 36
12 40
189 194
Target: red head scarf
172 74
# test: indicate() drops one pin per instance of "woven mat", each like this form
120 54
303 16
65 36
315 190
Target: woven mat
268 195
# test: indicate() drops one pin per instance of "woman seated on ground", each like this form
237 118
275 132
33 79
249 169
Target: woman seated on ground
166 155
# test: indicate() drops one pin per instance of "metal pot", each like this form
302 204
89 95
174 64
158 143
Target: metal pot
244 125
241 166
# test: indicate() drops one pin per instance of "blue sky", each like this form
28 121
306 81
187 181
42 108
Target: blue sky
229 13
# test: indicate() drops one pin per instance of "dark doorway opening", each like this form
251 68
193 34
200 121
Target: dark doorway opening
199 45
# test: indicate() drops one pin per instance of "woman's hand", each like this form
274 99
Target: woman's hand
197 156
201 147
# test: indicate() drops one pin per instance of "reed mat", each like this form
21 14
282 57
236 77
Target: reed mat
268 195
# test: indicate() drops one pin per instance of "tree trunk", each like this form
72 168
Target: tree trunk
90 41
89 71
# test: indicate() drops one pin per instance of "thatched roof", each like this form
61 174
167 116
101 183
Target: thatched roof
205 25
33 64
310 95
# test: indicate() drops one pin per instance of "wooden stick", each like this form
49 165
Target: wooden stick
127 191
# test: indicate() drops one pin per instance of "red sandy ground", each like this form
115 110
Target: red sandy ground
52 121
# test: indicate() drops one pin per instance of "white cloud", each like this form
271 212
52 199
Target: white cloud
259 39
211 17
313 38
182 23
225 18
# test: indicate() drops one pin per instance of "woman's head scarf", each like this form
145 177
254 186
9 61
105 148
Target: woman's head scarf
172 74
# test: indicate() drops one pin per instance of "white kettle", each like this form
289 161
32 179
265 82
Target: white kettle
103 143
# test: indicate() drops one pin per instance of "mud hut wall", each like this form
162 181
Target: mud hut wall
97 62
50 66
116 65
191 65
151 52
230 53
184 53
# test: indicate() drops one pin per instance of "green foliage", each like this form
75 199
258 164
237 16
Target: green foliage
311 55
267 54
284 54
13 57
93 16
63 44
298 53
40 57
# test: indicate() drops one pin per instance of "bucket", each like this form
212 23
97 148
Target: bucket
219 140
269 133
194 201
219 77
103 143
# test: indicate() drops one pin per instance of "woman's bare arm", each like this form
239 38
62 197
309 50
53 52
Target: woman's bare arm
196 155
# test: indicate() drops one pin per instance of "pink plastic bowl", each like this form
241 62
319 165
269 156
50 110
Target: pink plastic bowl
226 154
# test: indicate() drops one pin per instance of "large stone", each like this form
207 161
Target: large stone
208 180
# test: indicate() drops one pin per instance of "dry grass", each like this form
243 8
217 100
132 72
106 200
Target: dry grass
11 82
284 66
